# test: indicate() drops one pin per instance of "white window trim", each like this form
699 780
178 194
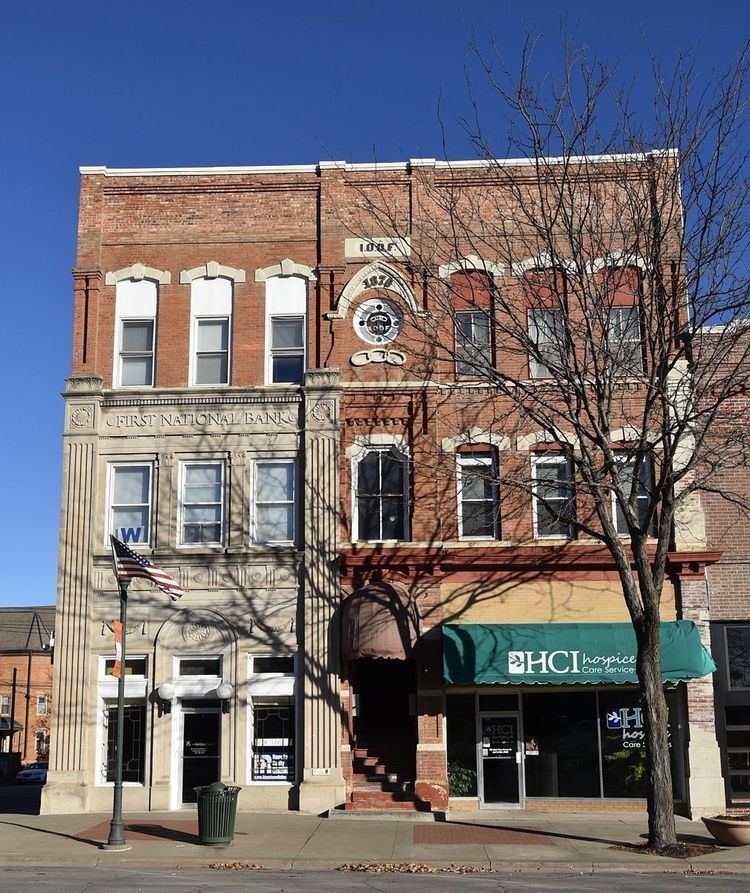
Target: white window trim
269 349
103 676
100 776
731 687
111 468
118 351
402 456
253 502
194 349
488 462
474 373
277 685
42 699
208 677
534 364
618 308
547 459
625 460
4 711
135 686
184 465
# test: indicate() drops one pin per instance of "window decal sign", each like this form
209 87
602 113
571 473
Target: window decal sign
131 534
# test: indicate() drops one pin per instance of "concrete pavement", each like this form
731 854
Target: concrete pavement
502 840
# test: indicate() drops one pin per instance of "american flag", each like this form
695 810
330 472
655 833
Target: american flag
129 564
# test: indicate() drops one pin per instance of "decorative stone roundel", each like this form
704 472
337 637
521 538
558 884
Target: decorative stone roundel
378 321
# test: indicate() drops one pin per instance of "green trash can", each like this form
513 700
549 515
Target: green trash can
217 811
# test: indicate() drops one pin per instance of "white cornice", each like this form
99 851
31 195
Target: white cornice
104 171
286 267
138 272
212 270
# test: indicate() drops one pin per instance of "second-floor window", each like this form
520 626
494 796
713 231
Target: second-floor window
274 502
137 352
202 502
130 503
41 705
546 338
643 493
477 497
473 344
287 355
4 705
380 488
211 351
624 340
553 496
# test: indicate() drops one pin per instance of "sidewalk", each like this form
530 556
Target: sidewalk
504 840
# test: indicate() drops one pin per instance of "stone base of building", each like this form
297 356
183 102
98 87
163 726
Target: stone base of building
319 794
706 783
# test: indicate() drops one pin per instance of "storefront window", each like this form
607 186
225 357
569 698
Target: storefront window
461 728
273 741
738 751
561 745
624 746
738 656
134 742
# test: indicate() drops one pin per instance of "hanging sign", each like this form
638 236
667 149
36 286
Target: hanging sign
117 629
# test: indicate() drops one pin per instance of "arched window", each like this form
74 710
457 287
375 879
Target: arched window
381 483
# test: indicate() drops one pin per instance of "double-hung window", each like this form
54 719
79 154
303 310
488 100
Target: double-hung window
477 497
4 705
130 503
136 353
41 705
553 495
643 493
287 360
380 495
211 351
202 502
274 501
473 343
625 350
546 339
41 743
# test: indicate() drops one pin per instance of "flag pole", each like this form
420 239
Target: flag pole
116 840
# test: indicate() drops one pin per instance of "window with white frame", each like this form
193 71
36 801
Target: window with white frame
130 502
211 302
134 666
273 508
380 495
41 743
42 703
473 343
625 348
286 329
478 508
201 502
4 705
553 504
135 331
133 745
546 335
643 488
287 349
208 665
271 698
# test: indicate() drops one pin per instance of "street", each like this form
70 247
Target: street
70 879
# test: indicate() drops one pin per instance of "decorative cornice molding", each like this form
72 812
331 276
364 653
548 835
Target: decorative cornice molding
469 263
476 435
287 267
211 270
138 272
543 261
83 383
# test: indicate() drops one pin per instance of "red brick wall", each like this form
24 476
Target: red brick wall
39 682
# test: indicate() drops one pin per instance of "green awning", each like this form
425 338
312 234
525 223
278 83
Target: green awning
564 653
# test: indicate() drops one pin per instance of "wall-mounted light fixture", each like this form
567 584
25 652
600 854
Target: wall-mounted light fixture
224 693
165 693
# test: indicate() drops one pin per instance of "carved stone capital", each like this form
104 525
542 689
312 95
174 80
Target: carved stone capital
323 378
84 383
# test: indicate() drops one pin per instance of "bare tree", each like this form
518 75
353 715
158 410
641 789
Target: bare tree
604 304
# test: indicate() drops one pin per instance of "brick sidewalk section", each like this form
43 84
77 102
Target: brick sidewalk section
502 840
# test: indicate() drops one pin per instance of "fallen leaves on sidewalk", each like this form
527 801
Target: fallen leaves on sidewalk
235 866
414 868
678 851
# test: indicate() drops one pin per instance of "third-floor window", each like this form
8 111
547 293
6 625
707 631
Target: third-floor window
287 352
211 351
137 352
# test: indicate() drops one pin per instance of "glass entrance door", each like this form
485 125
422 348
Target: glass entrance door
201 751
499 758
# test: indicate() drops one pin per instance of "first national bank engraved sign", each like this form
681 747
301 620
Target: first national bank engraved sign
217 419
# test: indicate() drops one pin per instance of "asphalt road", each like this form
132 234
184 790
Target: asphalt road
20 799
113 879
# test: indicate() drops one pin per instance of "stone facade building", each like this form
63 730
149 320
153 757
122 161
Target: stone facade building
25 654
255 402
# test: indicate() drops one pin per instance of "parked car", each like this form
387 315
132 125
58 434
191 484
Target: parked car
34 773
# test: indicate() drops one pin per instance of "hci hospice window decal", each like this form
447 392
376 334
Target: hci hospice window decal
378 321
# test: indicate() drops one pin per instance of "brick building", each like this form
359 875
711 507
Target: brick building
258 400
26 655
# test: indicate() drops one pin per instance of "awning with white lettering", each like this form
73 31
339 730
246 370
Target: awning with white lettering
565 653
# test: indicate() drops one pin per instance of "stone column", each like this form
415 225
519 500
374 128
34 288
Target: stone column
69 776
322 780
705 782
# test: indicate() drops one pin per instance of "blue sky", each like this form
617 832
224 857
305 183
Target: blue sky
164 83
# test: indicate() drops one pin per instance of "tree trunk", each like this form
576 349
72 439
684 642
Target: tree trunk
661 824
